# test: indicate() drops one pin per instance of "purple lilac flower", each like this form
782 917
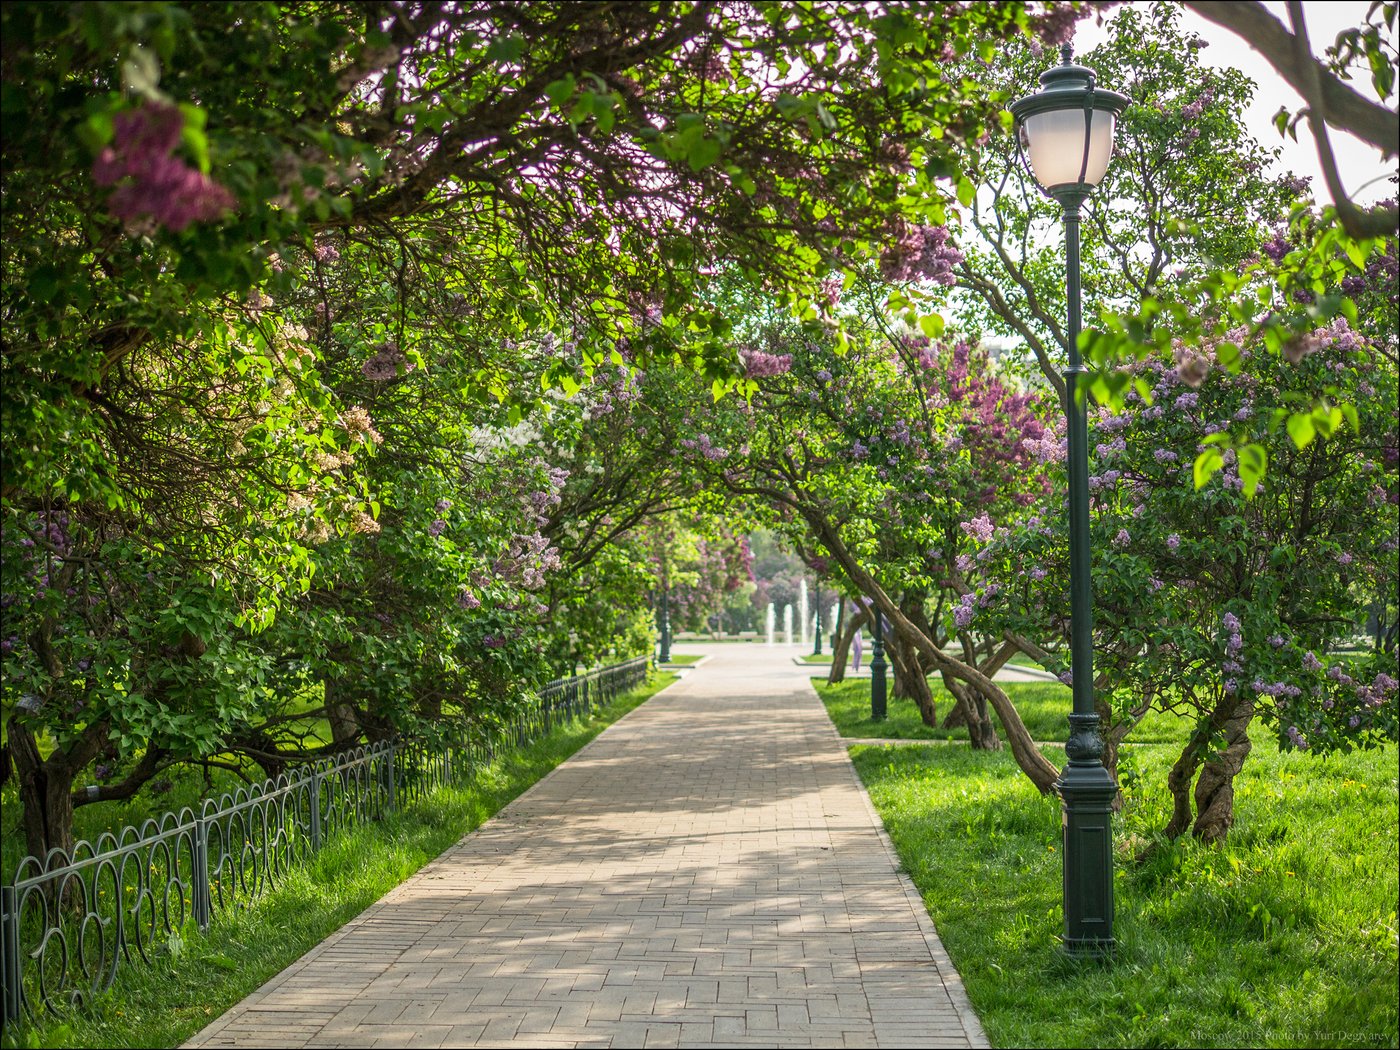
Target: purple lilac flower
467 600
435 529
493 641
150 181
920 252
442 506
980 528
965 611
1311 662
1299 741
1122 539
1173 542
1067 677
1278 247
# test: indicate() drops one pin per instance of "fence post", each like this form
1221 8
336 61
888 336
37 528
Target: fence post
315 809
203 892
393 767
9 954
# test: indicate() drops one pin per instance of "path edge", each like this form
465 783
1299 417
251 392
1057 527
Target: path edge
952 980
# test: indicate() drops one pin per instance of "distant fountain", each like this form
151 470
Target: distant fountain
831 623
772 617
802 610
787 623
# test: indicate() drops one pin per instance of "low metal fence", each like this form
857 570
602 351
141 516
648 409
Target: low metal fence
71 920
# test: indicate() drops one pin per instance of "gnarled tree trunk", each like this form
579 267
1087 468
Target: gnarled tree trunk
1039 769
1215 786
1215 790
915 685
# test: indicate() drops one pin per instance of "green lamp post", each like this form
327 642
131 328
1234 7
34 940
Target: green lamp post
664 656
1065 133
877 666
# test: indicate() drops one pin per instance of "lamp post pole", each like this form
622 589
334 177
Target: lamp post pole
1066 129
877 667
817 627
1086 787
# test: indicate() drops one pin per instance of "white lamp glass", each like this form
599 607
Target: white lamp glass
1055 145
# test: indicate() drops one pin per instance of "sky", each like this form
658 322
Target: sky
1357 163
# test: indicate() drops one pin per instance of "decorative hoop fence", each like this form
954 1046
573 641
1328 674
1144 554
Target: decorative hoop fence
70 921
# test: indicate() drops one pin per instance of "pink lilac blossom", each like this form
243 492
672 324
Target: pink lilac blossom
760 365
151 182
920 252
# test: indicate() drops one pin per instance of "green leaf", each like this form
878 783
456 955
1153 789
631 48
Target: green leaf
931 325
703 152
1300 429
1228 354
560 91
966 191
1253 463
1207 463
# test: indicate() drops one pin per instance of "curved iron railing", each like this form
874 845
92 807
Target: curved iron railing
69 920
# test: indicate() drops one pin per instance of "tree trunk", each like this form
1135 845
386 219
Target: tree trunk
845 636
1215 787
341 714
971 711
46 785
980 730
961 712
1215 792
1038 769
915 684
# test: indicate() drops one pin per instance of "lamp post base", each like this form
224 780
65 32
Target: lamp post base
1088 791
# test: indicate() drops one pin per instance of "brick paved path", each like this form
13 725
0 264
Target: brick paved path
708 872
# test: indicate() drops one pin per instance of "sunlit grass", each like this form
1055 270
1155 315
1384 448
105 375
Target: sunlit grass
1285 936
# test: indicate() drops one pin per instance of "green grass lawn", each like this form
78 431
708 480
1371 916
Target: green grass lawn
684 659
164 1004
823 658
1285 936
1044 707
